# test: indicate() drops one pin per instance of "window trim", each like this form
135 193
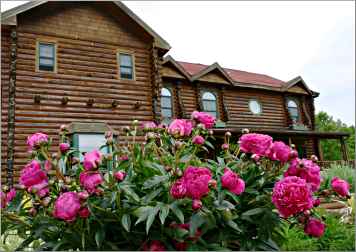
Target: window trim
170 89
298 108
37 59
259 102
216 101
132 54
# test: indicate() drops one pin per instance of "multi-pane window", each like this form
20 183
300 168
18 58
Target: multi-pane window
126 66
46 56
86 142
293 110
209 103
255 107
166 105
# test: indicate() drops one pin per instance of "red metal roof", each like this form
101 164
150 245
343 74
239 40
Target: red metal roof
237 75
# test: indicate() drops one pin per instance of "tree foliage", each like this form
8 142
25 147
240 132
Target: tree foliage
331 147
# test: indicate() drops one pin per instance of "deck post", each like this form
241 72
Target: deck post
320 150
343 149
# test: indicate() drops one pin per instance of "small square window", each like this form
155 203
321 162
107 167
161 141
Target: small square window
88 142
46 56
126 66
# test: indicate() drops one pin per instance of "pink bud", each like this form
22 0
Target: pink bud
225 146
83 195
245 131
63 127
293 154
64 147
228 134
212 183
197 204
256 157
84 212
314 158
316 202
47 165
120 175
199 140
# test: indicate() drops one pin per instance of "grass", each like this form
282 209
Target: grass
337 237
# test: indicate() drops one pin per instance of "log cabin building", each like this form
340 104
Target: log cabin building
98 66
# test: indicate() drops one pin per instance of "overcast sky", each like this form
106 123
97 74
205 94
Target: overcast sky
315 40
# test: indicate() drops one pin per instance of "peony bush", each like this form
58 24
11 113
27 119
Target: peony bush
172 192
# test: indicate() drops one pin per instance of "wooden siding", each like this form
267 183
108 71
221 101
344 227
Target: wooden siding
214 77
87 39
170 71
5 69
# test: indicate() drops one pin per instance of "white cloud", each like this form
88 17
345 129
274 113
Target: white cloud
282 39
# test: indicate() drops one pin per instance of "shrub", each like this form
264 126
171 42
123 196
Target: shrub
163 194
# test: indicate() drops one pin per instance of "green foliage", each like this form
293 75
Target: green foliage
331 148
337 237
342 171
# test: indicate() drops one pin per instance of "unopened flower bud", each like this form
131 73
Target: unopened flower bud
135 122
196 204
83 195
99 191
306 213
316 202
51 181
211 132
314 158
168 168
212 183
108 134
54 155
228 134
225 146
292 146
126 129
256 157
45 202
63 127
201 126
32 211
245 131
64 147
293 154
120 175
178 172
227 214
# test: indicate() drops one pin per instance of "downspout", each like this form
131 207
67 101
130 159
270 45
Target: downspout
11 107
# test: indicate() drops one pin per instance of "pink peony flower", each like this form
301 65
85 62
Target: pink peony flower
279 151
178 189
204 118
66 206
154 245
196 181
11 195
307 170
292 195
180 127
148 125
341 187
316 202
231 181
6 198
314 227
197 204
255 143
64 147
225 146
33 178
35 140
84 212
90 180
199 140
120 175
92 160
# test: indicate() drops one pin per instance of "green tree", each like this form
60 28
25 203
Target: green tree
331 147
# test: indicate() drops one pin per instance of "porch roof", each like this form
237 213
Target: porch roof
286 132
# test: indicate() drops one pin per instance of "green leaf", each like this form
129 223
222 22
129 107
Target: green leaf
254 211
131 193
152 195
177 212
164 211
155 180
126 222
196 221
209 144
142 213
186 158
233 225
99 237
151 217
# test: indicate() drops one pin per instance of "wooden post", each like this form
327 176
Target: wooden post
320 150
343 149
290 141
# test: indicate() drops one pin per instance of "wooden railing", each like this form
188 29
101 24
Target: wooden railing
328 164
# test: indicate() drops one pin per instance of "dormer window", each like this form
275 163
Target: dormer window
46 57
166 105
209 103
293 110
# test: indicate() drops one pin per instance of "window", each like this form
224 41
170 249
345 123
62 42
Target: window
209 103
293 110
166 105
126 66
86 142
46 53
255 107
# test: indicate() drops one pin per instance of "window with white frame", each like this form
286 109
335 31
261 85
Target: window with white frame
209 103
293 110
166 105
46 56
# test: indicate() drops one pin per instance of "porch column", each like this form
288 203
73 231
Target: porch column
343 149
319 149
